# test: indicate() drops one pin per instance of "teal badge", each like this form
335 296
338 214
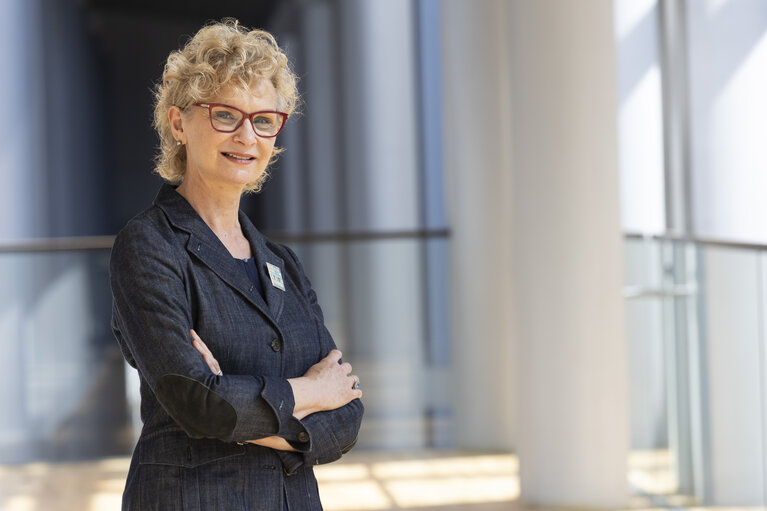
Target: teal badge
276 275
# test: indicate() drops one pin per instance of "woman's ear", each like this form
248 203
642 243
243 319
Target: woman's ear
177 123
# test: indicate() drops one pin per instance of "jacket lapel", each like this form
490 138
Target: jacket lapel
221 262
275 297
205 246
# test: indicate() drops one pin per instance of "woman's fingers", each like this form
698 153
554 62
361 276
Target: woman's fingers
200 345
334 356
206 353
333 383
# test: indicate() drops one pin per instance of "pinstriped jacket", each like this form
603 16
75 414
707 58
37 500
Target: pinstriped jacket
170 273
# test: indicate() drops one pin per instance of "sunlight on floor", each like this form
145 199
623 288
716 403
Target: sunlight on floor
86 486
652 472
360 482
426 481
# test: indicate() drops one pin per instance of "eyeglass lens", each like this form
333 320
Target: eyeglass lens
229 119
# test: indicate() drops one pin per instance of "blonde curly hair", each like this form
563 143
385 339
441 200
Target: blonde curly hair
221 55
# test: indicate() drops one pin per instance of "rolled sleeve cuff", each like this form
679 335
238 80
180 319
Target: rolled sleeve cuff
291 461
326 448
279 394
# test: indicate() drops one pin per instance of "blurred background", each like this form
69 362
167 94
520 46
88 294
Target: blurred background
538 229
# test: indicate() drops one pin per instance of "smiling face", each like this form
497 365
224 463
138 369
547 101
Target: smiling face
225 160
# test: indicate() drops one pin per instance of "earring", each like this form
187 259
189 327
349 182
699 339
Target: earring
178 142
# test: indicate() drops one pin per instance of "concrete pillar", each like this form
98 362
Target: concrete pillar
568 262
537 247
477 146
326 262
380 158
356 169
23 208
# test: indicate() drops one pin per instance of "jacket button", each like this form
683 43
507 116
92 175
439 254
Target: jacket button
276 345
303 437
251 288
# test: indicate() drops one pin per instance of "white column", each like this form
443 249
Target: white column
323 176
568 262
323 117
23 208
537 259
385 278
478 171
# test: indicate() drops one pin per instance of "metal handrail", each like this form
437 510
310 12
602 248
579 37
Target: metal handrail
701 240
314 237
57 244
631 292
106 242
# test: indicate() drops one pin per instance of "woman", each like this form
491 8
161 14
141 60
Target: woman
242 389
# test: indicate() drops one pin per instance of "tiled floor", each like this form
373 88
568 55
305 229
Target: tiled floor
428 481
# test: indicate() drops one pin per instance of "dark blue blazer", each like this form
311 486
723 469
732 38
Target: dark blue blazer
169 273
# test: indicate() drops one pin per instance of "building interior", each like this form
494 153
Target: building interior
558 305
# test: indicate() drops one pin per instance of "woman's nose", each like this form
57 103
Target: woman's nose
246 132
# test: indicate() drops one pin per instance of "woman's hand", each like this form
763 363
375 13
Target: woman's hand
327 385
206 353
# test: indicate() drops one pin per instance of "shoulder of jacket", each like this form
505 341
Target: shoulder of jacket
283 251
150 227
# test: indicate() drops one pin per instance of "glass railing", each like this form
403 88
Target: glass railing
72 396
695 315
63 374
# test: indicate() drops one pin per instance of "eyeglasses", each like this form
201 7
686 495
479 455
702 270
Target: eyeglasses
226 119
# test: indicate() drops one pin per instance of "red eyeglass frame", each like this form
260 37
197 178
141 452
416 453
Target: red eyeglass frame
245 115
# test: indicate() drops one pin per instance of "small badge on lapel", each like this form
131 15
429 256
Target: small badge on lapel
276 275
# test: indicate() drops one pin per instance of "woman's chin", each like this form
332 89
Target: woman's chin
242 178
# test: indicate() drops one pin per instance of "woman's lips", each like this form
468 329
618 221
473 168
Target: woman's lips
239 158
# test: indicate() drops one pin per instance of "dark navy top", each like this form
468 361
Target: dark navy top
250 268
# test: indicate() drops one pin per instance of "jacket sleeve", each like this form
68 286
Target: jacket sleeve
332 433
151 319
